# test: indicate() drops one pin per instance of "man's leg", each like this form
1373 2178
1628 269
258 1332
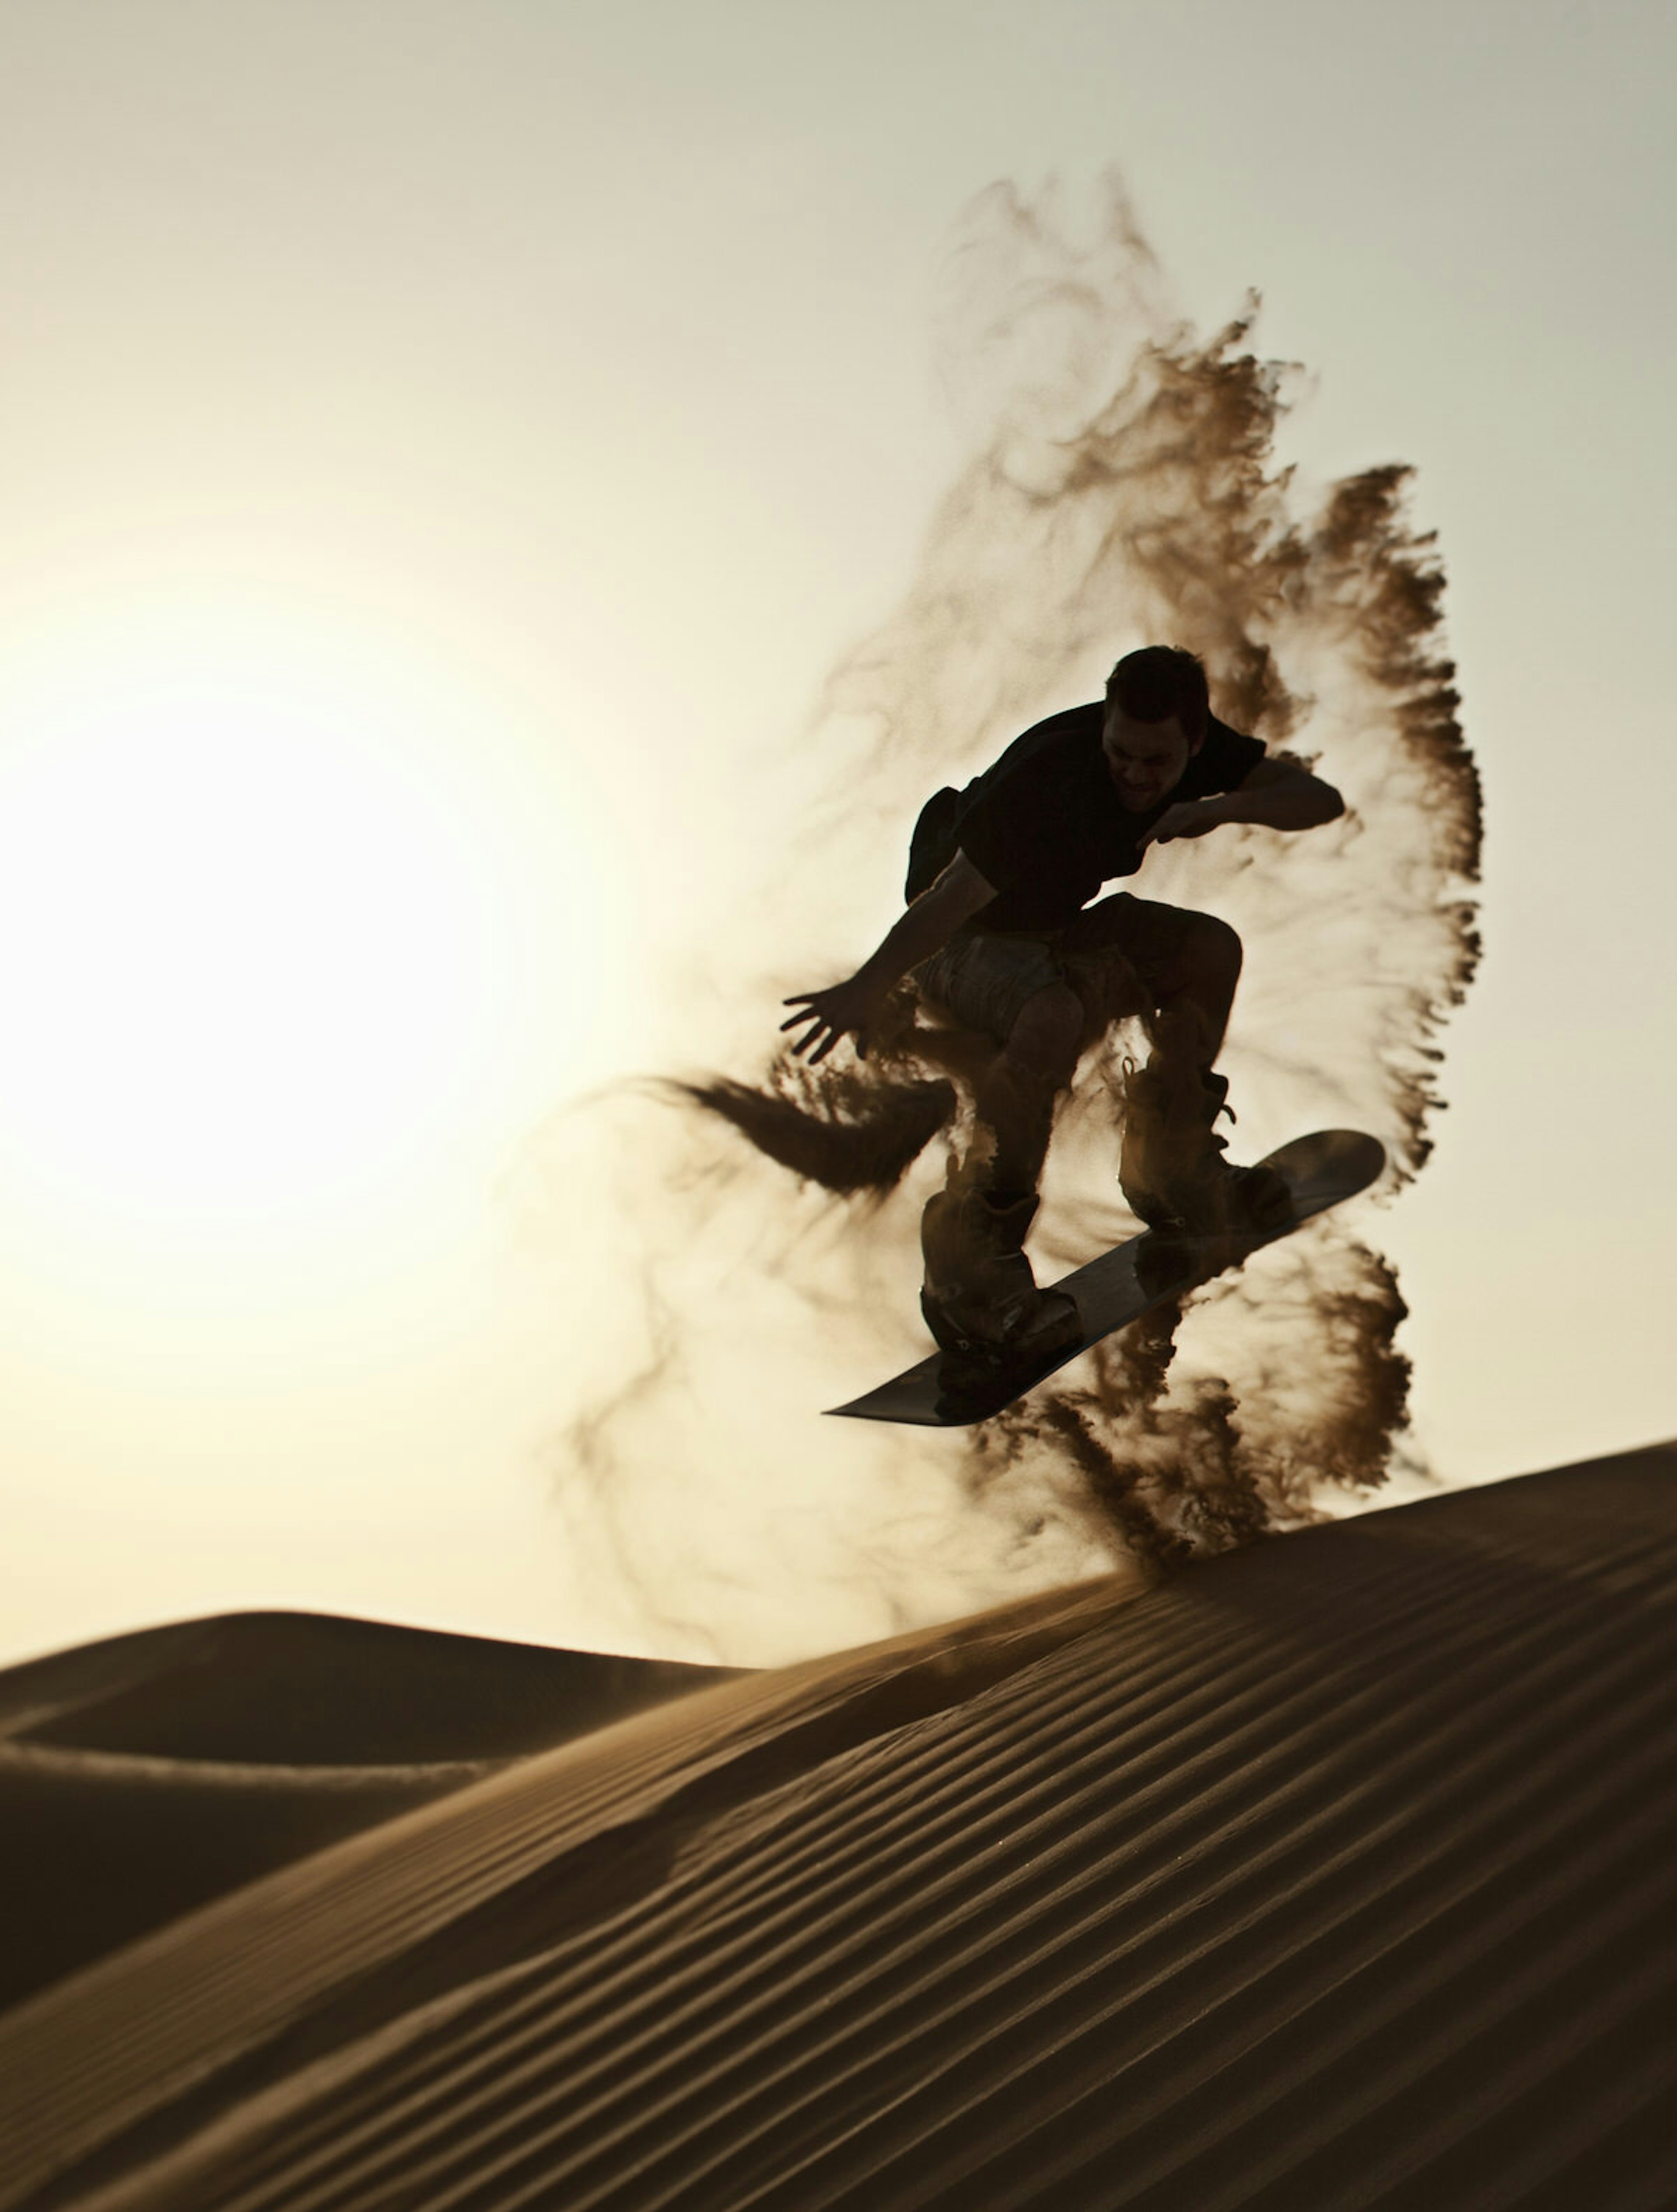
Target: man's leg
980 1290
1014 1101
1188 967
1172 1169
1194 992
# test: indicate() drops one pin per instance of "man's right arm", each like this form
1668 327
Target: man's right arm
845 1009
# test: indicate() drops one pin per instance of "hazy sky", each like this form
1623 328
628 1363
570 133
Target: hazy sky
445 446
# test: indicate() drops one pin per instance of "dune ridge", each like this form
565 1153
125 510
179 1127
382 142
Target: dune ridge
142 1775
1335 1872
218 1980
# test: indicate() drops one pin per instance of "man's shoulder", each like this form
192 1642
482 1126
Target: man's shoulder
1226 759
1065 737
1069 724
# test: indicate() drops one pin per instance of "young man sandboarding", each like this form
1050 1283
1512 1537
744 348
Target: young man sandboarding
1004 938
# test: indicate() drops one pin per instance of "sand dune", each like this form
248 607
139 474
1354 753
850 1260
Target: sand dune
1334 1873
143 1776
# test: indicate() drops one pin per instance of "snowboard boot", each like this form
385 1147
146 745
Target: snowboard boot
981 1300
1172 1172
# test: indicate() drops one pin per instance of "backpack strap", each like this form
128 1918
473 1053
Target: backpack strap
934 842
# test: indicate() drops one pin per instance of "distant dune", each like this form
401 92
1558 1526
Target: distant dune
1335 1872
142 1776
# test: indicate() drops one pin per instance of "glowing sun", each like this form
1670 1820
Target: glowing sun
247 955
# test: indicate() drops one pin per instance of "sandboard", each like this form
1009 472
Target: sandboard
944 1391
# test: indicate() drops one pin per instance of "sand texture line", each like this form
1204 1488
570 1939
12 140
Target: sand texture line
1337 1872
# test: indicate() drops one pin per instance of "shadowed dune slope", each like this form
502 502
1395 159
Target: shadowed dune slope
1335 1872
143 1776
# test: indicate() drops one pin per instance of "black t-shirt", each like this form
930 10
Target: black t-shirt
1046 826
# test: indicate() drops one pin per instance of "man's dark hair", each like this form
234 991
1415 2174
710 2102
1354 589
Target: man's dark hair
1157 681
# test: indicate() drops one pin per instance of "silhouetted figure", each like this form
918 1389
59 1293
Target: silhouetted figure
999 933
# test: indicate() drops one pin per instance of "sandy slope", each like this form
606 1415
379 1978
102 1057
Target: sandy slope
141 1776
1338 1873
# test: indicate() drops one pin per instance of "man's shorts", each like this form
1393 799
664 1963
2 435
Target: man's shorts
1115 955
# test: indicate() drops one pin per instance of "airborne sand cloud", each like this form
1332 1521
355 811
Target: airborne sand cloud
1124 488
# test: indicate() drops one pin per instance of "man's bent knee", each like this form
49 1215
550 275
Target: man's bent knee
1213 948
1047 1034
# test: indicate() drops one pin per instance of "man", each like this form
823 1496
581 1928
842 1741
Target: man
1003 937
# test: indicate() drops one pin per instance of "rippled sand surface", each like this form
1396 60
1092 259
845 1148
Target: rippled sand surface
1338 1872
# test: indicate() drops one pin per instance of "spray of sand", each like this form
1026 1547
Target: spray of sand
1124 489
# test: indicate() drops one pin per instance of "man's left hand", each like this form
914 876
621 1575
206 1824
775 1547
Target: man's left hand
1189 818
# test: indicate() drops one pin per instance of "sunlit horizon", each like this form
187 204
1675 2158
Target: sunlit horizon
446 451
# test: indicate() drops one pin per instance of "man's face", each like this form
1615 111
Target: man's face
1145 760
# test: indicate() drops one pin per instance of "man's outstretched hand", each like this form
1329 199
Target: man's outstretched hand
850 1008
1188 817
844 1010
